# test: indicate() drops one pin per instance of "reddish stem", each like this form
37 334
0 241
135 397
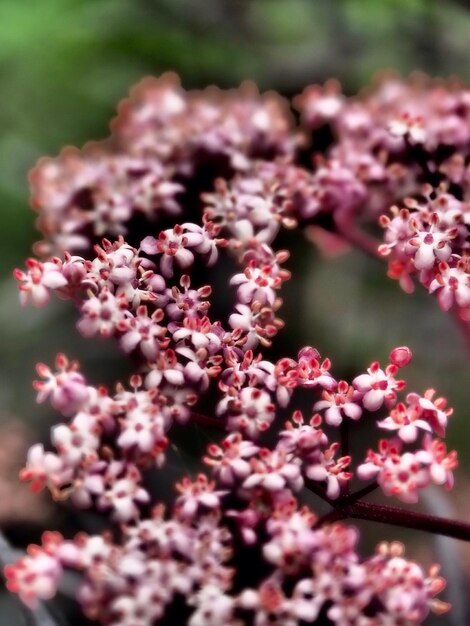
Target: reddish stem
463 325
205 420
319 491
346 227
344 434
398 517
360 493
409 519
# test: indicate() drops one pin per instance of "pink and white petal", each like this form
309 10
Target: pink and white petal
316 472
166 265
193 372
253 481
333 489
424 258
246 291
363 382
184 257
333 416
210 500
130 340
367 471
236 320
443 253
274 482
373 399
54 279
238 279
408 433
153 379
149 245
388 424
438 474
194 239
352 410
321 404
174 377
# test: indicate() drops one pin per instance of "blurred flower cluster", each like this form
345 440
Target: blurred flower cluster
189 181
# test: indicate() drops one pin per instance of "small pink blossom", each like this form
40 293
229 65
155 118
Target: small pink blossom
123 496
441 463
406 421
196 494
66 388
339 403
378 386
452 285
40 280
34 577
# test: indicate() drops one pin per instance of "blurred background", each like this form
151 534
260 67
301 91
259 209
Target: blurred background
64 65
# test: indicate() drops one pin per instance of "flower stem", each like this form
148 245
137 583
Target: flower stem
360 493
396 516
409 519
205 420
344 434
346 227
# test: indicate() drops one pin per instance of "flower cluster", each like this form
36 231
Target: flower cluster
161 139
383 138
428 240
214 177
186 558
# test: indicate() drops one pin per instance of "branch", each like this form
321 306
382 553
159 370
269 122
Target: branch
205 420
360 493
463 325
319 491
395 517
346 227
407 519
344 433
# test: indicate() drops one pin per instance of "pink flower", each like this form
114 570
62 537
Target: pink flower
429 246
434 455
44 468
325 467
66 388
196 494
143 331
378 386
249 410
311 372
452 285
123 496
258 284
339 403
102 314
406 421
34 577
230 462
40 280
78 441
403 475
433 411
273 471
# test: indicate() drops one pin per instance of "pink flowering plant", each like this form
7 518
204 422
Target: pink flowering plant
134 229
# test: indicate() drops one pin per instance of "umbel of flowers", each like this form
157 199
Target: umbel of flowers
189 180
